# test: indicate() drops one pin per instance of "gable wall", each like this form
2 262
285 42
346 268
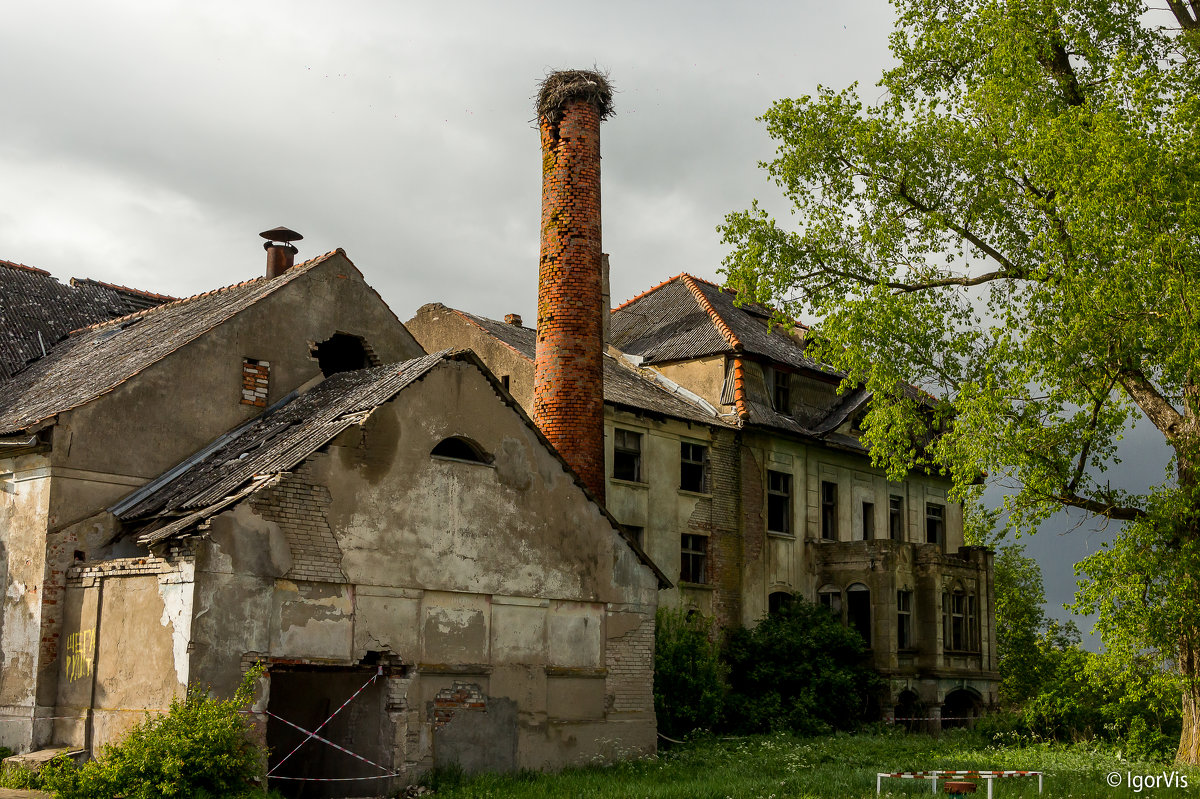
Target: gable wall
498 581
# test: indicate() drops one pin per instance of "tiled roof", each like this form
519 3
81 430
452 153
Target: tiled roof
687 317
98 358
274 442
36 311
622 384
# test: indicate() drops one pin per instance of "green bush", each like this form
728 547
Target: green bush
799 670
199 749
689 681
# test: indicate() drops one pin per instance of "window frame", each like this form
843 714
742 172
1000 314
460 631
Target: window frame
780 495
896 517
829 510
692 561
904 620
781 391
868 520
621 449
935 523
689 464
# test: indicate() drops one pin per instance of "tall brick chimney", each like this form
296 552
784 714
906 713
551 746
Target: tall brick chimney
568 391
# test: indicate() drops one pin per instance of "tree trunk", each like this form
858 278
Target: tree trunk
1189 664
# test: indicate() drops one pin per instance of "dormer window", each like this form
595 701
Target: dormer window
782 394
460 448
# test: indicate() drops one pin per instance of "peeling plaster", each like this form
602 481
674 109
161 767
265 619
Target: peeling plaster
176 591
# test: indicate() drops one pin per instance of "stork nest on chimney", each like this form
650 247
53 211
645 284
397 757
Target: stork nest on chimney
561 88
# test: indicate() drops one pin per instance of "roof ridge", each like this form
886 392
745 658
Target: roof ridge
118 287
15 265
650 290
181 300
724 329
473 319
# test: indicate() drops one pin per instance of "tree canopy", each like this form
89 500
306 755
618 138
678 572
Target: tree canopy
1015 228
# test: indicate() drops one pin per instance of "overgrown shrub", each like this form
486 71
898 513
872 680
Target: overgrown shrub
800 670
689 680
199 749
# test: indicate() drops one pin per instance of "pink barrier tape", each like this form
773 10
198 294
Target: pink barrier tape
378 673
313 735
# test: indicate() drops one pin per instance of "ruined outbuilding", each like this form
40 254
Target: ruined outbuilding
277 471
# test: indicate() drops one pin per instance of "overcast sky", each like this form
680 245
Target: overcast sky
147 144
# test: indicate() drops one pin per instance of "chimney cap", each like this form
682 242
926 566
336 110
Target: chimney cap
281 233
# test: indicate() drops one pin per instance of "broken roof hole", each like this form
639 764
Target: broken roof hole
342 352
460 448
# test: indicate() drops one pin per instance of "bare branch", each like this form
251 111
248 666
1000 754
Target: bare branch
1158 409
1081 464
983 246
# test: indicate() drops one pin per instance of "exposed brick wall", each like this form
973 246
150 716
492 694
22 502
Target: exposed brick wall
725 543
568 397
255 382
298 504
461 696
629 659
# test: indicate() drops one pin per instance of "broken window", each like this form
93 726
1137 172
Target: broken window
783 391
693 558
868 521
831 597
858 610
693 467
935 523
341 352
829 511
779 502
627 455
460 449
896 518
904 625
959 626
256 376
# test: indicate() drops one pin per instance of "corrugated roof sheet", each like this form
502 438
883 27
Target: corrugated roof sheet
97 359
622 385
36 311
276 441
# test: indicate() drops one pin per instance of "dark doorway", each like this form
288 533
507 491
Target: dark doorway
306 698
960 709
910 711
858 610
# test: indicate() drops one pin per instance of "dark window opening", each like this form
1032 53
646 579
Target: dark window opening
777 601
341 353
858 610
868 521
935 523
904 621
693 467
779 502
460 449
504 381
693 558
960 631
831 598
638 534
783 391
829 511
627 455
896 518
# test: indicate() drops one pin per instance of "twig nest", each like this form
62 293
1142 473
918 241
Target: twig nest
559 89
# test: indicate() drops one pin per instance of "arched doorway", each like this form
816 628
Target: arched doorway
961 708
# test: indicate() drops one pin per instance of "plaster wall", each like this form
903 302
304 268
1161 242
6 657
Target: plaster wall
496 580
703 376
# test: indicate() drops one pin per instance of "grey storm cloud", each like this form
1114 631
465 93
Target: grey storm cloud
147 143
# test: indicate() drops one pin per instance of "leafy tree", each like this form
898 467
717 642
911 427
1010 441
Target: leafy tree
1020 622
799 670
1015 226
689 680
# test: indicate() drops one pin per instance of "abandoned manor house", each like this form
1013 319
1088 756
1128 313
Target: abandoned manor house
463 526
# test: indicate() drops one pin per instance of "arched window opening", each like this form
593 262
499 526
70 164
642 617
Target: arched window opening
777 601
460 449
341 352
858 610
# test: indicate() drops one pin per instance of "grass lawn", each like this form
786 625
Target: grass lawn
831 767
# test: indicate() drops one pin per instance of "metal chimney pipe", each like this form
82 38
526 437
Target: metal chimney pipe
281 253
